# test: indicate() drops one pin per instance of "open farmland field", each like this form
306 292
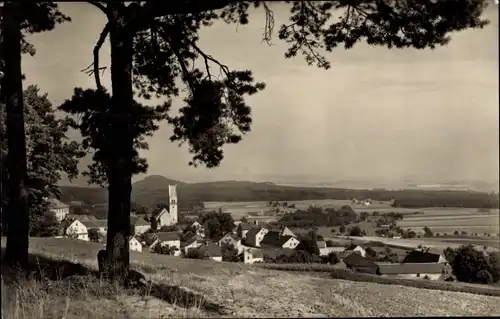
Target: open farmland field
248 291
450 223
414 243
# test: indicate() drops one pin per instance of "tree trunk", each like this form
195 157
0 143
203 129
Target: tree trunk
12 94
120 168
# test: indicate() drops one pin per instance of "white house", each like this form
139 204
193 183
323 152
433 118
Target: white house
251 256
59 209
171 239
169 217
134 244
78 230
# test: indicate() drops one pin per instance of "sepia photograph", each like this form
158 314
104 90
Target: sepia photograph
243 159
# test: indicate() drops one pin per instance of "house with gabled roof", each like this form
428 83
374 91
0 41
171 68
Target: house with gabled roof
358 263
192 243
274 239
139 225
210 251
232 240
244 228
81 217
254 236
171 239
134 244
75 229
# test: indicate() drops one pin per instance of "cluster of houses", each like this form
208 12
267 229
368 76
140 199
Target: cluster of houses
423 263
248 239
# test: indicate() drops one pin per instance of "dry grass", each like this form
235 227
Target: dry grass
249 291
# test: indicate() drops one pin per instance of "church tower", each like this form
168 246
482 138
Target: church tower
172 204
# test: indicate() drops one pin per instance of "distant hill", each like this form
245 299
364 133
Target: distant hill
154 189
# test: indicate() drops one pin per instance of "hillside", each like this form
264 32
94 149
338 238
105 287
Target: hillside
241 290
154 189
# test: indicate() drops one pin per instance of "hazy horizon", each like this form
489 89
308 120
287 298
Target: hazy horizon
377 114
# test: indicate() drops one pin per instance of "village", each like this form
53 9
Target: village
250 242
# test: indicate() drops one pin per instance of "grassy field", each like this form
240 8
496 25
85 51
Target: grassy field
240 290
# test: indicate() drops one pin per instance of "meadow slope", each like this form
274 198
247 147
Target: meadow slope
248 291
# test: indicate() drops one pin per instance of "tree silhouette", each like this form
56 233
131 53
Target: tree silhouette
155 43
30 17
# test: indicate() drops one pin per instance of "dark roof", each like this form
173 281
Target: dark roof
138 221
417 256
210 249
98 223
253 232
356 260
271 238
411 268
189 241
168 236
248 226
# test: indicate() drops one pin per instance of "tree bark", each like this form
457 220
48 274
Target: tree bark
120 159
12 94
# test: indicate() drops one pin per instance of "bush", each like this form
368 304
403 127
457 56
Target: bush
94 235
356 231
330 259
484 277
470 265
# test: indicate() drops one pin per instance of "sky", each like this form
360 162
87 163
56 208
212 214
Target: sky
376 114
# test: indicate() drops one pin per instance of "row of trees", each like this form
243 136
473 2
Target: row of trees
155 43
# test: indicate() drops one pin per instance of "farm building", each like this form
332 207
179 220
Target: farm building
432 271
425 256
358 263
